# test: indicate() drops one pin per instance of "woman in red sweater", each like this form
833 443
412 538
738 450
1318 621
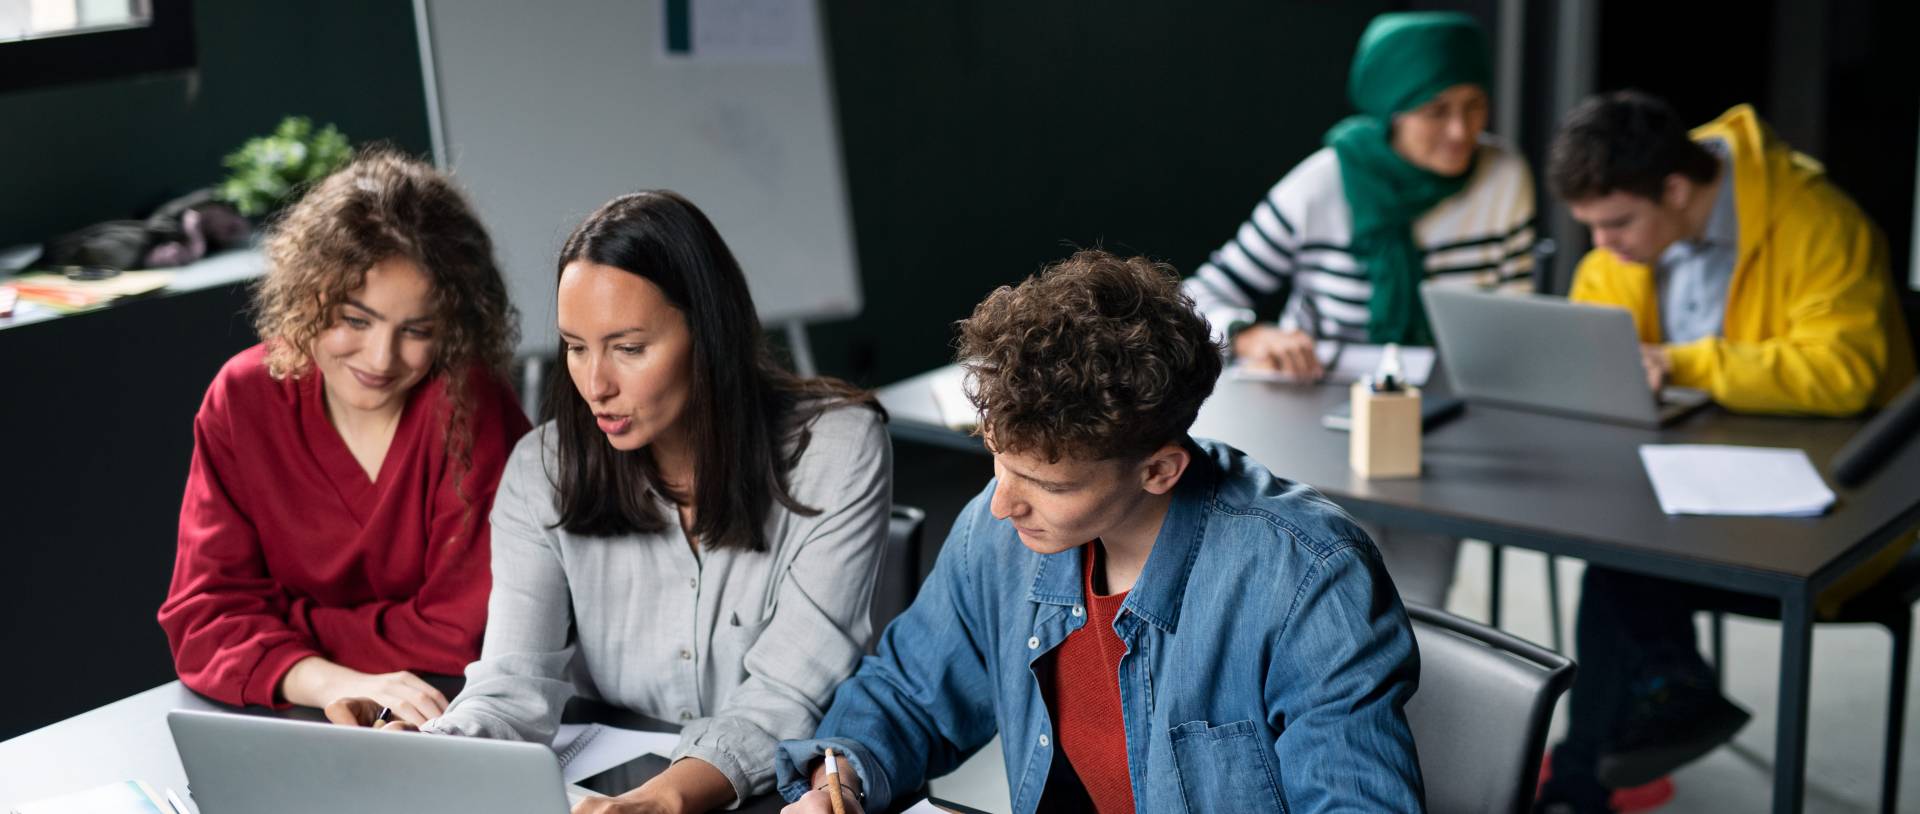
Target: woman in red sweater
333 537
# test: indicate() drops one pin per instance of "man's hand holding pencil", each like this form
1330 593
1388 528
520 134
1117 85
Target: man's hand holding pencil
835 790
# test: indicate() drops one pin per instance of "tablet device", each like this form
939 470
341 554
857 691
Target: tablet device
1434 411
627 776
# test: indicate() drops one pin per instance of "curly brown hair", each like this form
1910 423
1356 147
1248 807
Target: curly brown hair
1097 357
383 205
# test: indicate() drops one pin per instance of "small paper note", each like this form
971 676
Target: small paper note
1731 480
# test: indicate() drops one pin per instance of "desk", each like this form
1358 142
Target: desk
1574 488
96 433
128 740
225 268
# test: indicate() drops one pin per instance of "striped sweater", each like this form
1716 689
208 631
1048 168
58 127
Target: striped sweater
1296 246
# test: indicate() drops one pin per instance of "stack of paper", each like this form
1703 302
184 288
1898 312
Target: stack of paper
58 292
129 797
1354 363
949 387
1730 480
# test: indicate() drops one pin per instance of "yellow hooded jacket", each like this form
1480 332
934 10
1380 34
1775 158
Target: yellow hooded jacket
1812 324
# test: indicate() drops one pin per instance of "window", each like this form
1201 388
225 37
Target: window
34 19
48 42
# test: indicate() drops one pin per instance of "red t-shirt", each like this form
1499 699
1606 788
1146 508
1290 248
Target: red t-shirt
1084 697
288 549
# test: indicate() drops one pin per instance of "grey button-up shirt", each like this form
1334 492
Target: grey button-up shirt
1695 275
743 648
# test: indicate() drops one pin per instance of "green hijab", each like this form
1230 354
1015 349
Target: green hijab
1403 61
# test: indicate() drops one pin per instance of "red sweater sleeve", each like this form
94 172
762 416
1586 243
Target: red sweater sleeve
225 617
438 629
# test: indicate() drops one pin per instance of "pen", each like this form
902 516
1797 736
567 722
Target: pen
833 783
382 717
178 805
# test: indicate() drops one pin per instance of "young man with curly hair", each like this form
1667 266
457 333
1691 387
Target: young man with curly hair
1148 621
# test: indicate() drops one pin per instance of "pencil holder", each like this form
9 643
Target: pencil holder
1385 439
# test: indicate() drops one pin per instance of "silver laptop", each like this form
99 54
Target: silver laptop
1544 353
244 764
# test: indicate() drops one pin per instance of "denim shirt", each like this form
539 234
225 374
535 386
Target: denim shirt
1268 660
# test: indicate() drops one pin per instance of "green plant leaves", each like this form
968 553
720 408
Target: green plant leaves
266 172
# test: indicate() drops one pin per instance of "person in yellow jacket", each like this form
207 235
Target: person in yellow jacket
1750 276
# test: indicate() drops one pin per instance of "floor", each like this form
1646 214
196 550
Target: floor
1846 724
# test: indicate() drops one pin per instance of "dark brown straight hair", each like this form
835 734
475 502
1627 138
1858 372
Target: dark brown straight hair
746 417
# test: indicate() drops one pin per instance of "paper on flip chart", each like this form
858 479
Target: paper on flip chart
1731 480
1356 362
589 749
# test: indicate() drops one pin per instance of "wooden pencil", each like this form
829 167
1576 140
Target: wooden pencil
833 784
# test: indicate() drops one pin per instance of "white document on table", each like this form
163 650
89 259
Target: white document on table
589 749
949 386
1731 480
1355 363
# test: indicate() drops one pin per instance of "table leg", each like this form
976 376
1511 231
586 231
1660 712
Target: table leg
1796 673
1494 562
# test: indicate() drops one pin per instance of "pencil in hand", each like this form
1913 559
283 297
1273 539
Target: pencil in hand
833 783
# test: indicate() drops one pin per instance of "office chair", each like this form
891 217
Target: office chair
899 579
1481 714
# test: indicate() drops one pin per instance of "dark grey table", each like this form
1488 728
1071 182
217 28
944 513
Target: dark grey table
1575 488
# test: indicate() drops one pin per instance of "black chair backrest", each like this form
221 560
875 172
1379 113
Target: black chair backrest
1882 436
899 580
1481 714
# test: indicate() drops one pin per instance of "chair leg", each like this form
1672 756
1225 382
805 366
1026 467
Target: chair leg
1718 630
1901 629
1553 602
1493 585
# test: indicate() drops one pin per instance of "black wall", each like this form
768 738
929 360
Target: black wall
1839 81
986 139
71 155
97 409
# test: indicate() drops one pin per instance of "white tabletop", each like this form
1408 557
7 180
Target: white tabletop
124 740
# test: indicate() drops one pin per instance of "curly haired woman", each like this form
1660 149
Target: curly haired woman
333 537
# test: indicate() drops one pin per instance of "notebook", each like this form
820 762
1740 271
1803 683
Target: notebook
589 749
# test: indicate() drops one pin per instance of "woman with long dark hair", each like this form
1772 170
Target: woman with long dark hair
697 528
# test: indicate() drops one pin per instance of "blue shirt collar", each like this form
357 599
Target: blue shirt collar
1723 226
1156 595
1723 223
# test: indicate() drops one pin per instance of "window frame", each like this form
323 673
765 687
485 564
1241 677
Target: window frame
165 44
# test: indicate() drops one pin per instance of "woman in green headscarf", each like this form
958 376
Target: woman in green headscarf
1409 191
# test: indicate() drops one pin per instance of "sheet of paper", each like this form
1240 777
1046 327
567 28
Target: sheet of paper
950 396
129 797
1731 480
925 807
609 746
1354 363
